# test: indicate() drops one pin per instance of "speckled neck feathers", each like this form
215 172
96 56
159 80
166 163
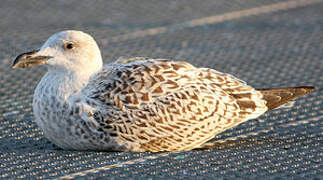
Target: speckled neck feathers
61 85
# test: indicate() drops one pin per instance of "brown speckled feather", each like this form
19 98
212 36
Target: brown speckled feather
170 105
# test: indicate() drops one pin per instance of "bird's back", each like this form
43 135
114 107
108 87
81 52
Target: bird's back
169 105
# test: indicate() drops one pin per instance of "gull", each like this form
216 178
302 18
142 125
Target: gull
138 104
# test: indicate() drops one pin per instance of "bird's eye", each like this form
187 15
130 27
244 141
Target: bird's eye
68 46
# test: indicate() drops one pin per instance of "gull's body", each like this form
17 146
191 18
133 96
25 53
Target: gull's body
137 104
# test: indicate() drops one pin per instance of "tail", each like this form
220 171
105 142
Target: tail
277 97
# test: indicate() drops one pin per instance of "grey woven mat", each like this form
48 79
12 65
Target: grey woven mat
268 43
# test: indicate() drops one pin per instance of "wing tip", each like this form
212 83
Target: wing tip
277 97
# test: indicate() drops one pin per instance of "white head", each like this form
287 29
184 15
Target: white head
68 51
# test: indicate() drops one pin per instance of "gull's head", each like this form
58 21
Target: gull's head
69 51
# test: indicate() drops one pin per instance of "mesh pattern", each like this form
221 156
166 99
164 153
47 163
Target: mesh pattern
267 50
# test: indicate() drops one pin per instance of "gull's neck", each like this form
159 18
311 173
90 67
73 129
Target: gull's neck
61 85
53 100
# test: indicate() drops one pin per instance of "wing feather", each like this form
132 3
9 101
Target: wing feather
170 105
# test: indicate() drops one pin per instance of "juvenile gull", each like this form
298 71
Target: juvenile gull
137 104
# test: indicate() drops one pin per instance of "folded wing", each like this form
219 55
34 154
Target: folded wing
156 104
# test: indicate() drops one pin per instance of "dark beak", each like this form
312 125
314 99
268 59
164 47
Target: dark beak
30 59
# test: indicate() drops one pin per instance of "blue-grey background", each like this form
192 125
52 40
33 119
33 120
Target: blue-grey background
281 48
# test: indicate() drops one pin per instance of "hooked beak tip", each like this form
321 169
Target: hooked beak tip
29 59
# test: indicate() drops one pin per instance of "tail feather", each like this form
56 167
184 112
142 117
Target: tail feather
277 97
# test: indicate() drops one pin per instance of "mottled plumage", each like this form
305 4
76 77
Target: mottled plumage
140 104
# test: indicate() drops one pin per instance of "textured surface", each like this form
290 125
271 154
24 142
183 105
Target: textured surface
277 49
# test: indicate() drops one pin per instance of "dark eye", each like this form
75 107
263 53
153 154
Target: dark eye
69 46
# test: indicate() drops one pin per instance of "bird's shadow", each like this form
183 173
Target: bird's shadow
240 143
